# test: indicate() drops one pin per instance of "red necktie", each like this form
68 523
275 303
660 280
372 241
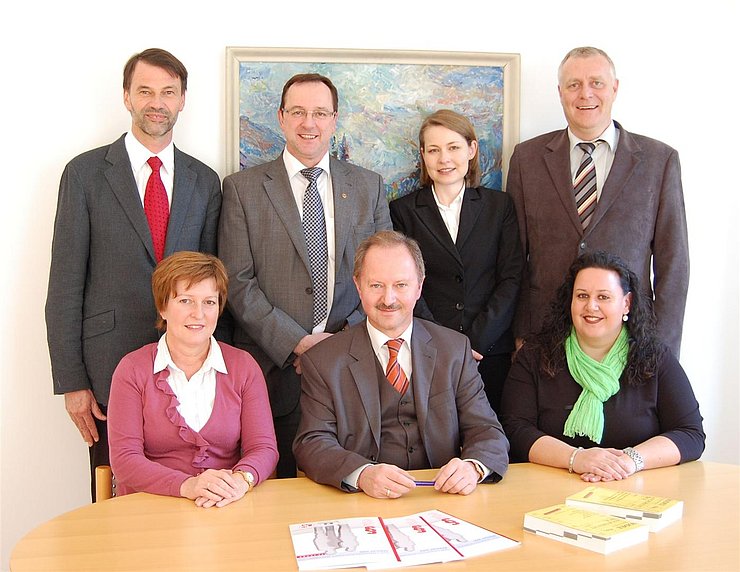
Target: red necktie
156 208
393 372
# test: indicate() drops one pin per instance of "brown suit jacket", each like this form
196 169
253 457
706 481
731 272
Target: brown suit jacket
640 217
340 402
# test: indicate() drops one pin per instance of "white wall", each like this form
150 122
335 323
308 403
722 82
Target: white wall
61 95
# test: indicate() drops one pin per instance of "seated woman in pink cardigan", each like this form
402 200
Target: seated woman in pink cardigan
189 416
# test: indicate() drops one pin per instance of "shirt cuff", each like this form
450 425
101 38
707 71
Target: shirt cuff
485 470
351 479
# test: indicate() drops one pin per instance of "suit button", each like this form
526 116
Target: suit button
411 449
372 458
309 290
582 246
459 306
458 278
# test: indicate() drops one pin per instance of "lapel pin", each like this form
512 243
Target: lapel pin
344 195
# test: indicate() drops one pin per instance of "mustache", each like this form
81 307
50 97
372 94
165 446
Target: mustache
160 110
391 307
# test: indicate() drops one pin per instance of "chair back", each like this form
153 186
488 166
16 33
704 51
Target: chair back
103 483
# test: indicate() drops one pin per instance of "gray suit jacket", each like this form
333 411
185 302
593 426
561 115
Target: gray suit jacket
262 244
99 305
640 217
340 404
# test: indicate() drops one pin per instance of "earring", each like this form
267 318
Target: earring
625 317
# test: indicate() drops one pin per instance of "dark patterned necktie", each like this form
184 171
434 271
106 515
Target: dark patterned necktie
394 373
314 228
156 208
584 185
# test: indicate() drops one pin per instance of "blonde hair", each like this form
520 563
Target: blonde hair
460 125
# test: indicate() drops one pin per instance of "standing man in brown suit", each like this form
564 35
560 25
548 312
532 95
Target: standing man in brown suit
633 207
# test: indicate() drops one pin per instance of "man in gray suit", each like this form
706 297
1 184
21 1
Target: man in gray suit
395 393
288 233
632 207
99 305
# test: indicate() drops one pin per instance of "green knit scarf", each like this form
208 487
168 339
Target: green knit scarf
599 380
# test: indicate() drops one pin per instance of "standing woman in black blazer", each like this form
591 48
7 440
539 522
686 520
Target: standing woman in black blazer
470 241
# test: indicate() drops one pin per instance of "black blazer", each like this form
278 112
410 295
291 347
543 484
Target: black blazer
471 285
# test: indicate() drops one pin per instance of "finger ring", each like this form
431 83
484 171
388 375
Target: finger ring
388 492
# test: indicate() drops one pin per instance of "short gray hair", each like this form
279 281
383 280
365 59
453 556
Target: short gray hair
587 52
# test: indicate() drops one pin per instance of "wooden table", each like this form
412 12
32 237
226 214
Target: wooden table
149 532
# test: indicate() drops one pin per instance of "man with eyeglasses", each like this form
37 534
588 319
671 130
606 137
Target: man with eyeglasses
287 235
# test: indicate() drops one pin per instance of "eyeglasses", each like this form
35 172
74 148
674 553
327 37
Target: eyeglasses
298 113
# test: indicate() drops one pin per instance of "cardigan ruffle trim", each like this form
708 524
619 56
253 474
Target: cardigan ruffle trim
186 432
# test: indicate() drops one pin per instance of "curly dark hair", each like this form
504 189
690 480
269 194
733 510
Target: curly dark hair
645 350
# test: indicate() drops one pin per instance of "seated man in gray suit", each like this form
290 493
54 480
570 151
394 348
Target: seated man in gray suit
596 186
288 233
394 393
121 209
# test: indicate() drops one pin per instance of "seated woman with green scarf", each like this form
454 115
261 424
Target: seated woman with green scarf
595 392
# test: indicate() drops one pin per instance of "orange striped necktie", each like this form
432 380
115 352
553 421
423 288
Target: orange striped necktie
393 373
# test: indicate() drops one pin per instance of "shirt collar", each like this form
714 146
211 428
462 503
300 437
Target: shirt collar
138 154
609 136
294 166
214 359
455 202
378 338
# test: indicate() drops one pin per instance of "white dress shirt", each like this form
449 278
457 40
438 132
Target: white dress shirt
196 395
378 340
299 184
603 154
451 214
139 155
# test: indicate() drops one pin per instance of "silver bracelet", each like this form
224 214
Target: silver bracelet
636 457
573 458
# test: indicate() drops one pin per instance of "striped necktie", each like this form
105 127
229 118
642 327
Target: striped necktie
394 373
584 185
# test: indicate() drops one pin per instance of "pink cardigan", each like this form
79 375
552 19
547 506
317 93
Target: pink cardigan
153 450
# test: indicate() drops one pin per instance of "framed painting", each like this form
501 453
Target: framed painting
383 98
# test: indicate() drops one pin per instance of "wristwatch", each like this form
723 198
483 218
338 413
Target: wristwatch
636 457
249 477
479 470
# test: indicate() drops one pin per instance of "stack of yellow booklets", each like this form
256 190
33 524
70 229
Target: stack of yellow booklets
587 529
654 512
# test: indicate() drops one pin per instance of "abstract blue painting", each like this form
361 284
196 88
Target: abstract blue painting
381 107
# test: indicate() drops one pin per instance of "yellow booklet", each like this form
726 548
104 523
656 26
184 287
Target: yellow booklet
583 528
654 512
